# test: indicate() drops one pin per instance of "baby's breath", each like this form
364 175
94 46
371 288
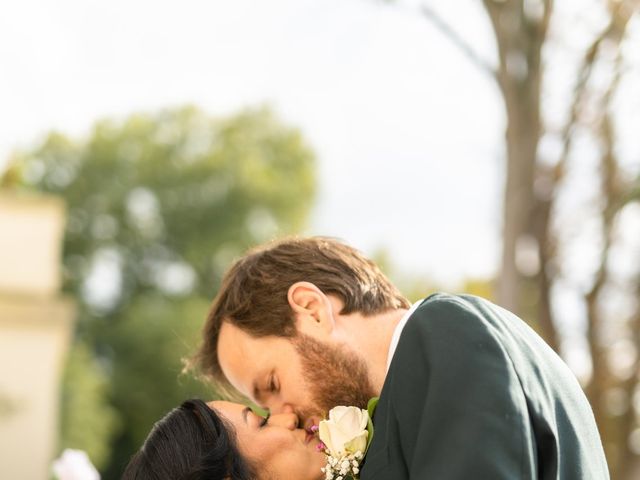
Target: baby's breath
346 467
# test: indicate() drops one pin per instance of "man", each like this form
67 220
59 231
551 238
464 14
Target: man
467 390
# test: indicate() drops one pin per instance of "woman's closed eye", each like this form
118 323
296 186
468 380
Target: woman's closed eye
265 420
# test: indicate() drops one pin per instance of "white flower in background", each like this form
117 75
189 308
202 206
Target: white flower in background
74 465
345 431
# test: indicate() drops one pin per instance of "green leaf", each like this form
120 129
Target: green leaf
371 408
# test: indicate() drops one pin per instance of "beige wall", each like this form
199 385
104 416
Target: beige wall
35 331
33 341
31 230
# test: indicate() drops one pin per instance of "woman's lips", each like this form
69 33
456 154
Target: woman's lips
311 432
309 436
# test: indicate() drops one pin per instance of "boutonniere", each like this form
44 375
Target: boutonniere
346 436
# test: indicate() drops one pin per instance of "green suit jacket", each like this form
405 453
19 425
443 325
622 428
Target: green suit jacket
473 393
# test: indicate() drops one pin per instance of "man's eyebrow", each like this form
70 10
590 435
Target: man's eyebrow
245 412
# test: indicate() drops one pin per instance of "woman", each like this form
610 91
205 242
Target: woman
223 440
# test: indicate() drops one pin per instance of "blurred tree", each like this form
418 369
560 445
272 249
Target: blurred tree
170 198
158 205
88 420
546 157
153 335
411 286
416 287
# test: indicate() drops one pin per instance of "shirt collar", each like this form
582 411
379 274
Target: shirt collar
398 331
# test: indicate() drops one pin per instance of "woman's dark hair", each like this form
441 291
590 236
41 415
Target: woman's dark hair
190 443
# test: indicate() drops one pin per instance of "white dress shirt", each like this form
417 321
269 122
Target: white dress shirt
398 331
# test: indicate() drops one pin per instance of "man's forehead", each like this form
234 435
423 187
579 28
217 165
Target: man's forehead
235 352
234 339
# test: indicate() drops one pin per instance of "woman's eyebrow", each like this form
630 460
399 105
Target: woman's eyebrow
245 412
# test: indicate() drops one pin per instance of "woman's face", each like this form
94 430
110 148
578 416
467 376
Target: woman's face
277 448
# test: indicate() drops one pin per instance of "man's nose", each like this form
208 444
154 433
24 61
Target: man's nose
286 420
286 408
278 407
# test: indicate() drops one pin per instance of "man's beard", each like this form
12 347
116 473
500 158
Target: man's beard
334 376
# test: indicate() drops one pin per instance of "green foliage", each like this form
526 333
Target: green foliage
158 205
174 189
88 420
480 287
149 342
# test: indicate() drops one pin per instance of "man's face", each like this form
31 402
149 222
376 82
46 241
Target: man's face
300 374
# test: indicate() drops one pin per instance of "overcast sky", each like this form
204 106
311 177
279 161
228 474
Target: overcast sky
407 132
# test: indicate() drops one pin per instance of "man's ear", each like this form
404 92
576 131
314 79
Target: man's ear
312 309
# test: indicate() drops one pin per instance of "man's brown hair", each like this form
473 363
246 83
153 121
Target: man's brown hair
253 294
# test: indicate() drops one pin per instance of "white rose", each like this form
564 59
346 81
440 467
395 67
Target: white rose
345 431
74 465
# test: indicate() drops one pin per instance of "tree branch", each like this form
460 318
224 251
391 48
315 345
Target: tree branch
458 41
613 190
586 68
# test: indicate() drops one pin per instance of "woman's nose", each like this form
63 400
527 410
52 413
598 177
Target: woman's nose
286 420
